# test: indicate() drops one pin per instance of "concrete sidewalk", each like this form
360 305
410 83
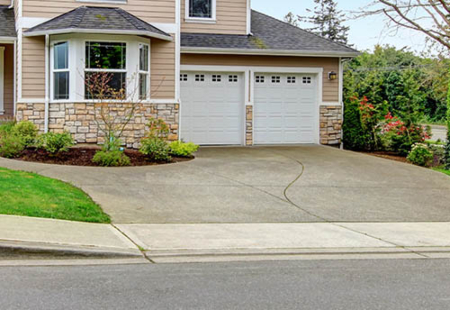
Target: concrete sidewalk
168 243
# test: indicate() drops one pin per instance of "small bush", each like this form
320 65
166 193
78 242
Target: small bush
26 131
420 155
111 159
10 145
179 148
7 127
155 149
55 143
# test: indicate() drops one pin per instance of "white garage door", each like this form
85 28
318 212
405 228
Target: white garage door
212 107
285 108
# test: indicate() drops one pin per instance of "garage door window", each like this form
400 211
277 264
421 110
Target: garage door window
259 79
276 79
291 80
199 78
232 78
307 80
183 77
217 78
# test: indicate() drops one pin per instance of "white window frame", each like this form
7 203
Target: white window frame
53 70
206 20
147 73
125 70
77 64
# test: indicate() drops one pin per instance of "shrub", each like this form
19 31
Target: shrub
420 155
111 158
26 131
7 127
157 128
55 143
155 149
179 148
10 145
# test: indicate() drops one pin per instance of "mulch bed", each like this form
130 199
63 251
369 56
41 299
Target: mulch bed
389 155
79 156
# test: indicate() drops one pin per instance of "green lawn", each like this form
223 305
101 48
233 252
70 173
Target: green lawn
29 194
447 172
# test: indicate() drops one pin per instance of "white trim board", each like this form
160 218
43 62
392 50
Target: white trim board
252 68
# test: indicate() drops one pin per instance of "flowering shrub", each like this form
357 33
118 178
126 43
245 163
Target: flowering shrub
420 155
399 137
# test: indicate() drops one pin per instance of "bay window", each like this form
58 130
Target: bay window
61 73
79 61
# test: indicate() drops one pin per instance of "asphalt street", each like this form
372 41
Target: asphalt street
321 284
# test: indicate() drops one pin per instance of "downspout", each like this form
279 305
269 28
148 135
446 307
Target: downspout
47 84
12 4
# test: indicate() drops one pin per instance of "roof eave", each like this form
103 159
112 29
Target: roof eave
98 31
267 52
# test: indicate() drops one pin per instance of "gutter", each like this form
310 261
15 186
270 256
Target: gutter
268 52
47 84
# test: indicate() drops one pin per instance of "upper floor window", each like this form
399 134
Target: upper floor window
201 9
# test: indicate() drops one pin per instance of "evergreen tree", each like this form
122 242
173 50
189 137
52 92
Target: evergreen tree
327 21
290 18
447 147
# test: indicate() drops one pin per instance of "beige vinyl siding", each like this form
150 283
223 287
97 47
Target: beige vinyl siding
330 88
162 69
231 18
5 2
33 67
157 11
8 90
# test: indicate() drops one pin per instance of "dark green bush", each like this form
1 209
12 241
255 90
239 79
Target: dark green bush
55 143
111 158
10 145
155 149
26 131
179 148
420 155
7 127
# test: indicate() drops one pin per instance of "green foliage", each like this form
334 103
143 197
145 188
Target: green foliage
10 145
156 149
157 128
26 131
114 158
55 143
179 148
420 155
447 147
7 127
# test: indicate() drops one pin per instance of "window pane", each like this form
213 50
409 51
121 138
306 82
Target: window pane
105 55
61 55
143 57
200 8
143 86
105 85
61 85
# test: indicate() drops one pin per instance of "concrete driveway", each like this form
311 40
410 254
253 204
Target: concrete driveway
263 185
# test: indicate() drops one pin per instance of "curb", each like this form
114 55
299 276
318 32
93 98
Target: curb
57 250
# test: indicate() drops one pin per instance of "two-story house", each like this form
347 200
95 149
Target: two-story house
218 72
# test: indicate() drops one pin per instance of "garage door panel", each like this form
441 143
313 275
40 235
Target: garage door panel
284 111
212 109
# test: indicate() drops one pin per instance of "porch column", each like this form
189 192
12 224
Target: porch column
2 79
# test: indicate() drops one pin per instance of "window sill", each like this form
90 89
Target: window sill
200 20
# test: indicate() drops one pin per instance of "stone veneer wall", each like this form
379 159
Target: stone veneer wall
80 119
330 125
249 125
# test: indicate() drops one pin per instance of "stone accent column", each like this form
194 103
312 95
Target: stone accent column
249 125
330 125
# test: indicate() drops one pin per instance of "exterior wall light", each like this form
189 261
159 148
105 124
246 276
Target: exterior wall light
332 76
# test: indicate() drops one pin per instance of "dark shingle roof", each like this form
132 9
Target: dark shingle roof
268 34
7 22
98 20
